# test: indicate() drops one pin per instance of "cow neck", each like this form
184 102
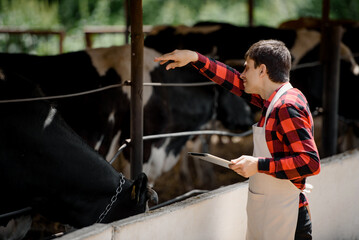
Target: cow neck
113 199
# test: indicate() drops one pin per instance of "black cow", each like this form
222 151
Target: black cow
103 119
46 166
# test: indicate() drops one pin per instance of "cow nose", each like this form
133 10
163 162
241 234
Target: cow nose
152 195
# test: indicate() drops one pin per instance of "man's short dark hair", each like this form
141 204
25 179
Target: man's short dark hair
275 55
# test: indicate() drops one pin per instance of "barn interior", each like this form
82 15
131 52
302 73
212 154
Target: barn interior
336 127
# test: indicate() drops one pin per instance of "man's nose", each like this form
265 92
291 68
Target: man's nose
242 75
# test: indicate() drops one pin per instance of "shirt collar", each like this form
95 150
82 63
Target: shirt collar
269 100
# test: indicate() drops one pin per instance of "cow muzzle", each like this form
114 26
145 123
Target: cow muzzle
152 196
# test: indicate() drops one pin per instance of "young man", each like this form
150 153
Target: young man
284 149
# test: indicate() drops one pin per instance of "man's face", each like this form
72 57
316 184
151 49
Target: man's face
250 76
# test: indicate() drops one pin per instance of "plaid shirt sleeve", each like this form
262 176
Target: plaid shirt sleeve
289 134
225 76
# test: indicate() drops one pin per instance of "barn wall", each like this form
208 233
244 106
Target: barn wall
334 199
220 214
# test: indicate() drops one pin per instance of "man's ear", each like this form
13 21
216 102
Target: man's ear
263 69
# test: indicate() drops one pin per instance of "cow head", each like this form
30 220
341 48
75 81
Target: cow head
133 199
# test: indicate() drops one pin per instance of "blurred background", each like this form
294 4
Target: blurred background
73 17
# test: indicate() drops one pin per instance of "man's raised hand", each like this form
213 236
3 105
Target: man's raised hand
180 58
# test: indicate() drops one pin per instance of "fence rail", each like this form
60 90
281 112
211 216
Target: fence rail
89 31
14 31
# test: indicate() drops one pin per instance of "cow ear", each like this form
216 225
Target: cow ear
133 192
139 187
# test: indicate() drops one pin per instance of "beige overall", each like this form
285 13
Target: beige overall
272 206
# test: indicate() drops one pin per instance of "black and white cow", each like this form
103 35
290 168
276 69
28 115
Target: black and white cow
46 166
103 119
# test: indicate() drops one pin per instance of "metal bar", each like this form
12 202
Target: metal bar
196 84
137 42
61 96
331 92
17 212
329 56
202 132
182 134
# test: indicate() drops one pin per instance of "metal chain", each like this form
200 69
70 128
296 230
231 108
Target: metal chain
113 200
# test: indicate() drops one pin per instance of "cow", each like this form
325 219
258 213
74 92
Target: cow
47 167
103 119
316 23
348 46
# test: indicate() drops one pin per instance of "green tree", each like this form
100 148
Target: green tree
74 15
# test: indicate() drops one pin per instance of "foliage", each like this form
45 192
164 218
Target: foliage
339 9
74 15
29 13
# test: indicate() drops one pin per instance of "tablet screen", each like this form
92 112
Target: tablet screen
211 158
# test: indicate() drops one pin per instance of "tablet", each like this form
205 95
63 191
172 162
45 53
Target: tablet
211 158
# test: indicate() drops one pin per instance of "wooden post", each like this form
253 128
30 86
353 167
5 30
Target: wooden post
137 42
330 58
127 18
250 12
61 42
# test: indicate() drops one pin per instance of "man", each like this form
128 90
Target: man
284 149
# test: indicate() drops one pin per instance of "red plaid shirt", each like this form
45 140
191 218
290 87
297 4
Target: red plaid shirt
289 128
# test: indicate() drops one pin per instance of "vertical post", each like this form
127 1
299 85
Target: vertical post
137 42
127 18
325 11
330 50
88 40
250 12
61 43
331 92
